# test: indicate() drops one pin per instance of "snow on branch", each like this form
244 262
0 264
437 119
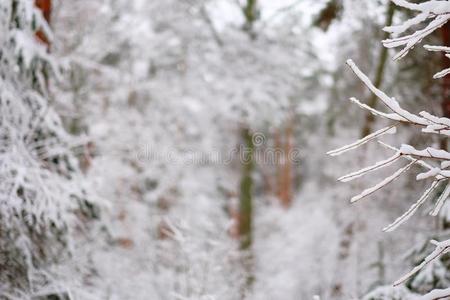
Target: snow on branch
382 183
430 123
447 54
389 116
441 200
437 294
441 249
436 13
390 102
388 130
429 152
419 162
378 165
432 7
403 218
439 11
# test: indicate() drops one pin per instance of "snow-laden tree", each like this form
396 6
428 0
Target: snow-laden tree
42 198
434 161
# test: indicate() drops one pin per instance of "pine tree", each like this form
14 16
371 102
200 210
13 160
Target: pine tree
41 197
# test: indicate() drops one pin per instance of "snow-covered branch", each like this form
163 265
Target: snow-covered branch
436 13
436 10
441 249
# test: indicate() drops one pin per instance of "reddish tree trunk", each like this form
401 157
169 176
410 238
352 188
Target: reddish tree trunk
284 169
286 187
445 31
445 104
278 163
46 7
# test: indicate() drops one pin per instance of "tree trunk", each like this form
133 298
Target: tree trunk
246 187
445 104
382 59
46 7
246 210
279 152
284 165
250 13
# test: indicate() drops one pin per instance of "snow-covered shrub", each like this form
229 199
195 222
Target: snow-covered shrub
435 162
41 197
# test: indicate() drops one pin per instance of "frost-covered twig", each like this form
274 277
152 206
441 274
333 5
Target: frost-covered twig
437 13
436 10
387 130
441 200
419 162
441 248
390 102
403 218
440 294
374 167
383 183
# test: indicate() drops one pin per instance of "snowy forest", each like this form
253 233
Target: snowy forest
224 149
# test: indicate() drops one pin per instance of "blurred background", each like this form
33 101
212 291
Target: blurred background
191 140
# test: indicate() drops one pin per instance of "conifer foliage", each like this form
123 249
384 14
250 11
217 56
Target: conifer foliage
41 196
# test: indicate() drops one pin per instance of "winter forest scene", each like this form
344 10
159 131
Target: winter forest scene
224 149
